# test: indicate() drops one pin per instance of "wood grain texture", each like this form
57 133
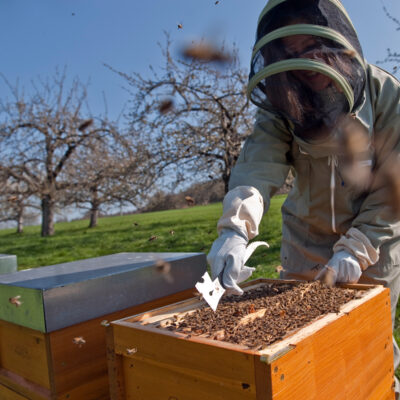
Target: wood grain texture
346 356
262 374
8 394
23 386
115 368
95 389
350 358
56 365
76 364
23 351
184 369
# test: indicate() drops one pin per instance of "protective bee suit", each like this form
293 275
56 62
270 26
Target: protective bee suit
316 94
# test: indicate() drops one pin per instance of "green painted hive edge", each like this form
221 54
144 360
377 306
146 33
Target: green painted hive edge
22 306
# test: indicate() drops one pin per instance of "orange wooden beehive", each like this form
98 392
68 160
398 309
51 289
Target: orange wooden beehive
347 355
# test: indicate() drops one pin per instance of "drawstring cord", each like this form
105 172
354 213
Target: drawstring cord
333 162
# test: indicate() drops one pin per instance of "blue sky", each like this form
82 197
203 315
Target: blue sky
37 36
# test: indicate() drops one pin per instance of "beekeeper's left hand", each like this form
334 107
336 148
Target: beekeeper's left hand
344 267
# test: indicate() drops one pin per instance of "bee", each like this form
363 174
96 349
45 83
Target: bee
205 52
189 200
329 277
279 269
166 106
132 351
349 52
15 300
163 266
79 341
85 124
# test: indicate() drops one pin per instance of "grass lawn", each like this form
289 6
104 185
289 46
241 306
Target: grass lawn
186 230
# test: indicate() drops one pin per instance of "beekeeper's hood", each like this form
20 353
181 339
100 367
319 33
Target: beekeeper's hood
307 64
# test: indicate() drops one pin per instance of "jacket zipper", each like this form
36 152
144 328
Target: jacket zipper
333 162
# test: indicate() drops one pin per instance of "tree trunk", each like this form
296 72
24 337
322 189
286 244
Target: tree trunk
20 223
94 213
225 178
47 216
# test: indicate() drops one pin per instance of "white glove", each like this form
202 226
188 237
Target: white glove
344 266
242 212
226 259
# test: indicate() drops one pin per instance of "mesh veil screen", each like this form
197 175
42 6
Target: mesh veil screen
307 63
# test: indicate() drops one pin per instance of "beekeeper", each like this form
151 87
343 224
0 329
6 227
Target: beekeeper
334 119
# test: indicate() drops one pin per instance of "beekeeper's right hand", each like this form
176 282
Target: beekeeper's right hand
227 258
242 212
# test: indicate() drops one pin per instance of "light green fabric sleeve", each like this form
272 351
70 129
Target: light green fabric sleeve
376 218
263 160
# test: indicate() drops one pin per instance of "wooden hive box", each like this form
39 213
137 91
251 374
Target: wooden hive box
345 355
52 334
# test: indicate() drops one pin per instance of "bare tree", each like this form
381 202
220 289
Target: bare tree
195 111
16 202
39 133
392 56
116 170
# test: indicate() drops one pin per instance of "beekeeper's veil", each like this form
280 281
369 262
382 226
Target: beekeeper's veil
307 64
